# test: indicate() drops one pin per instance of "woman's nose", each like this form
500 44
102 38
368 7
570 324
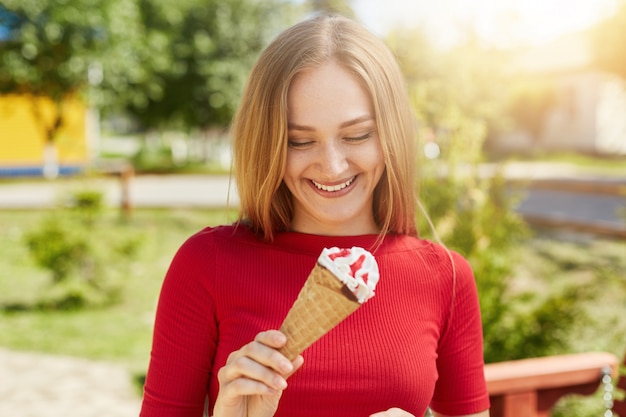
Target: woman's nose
333 159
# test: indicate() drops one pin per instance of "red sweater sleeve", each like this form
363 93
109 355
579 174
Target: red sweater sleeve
184 337
460 351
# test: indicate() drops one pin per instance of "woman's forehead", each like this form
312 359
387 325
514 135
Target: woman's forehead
328 92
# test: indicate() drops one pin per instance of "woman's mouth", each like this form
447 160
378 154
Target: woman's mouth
333 188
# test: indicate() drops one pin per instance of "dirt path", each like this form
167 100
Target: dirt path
33 385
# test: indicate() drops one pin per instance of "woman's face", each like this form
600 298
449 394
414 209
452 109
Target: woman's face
334 158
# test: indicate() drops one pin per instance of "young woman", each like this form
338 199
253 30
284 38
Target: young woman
324 157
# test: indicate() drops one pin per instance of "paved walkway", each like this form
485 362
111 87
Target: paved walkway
35 385
144 191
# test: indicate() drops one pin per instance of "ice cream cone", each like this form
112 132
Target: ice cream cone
324 301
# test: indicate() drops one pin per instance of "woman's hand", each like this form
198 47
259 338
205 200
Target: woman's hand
254 377
393 412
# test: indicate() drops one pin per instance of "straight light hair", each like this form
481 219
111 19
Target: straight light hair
260 125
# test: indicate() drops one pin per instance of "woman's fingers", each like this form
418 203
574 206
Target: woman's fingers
247 367
297 363
274 339
259 362
253 378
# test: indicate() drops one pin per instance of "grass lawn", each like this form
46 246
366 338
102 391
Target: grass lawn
554 260
122 333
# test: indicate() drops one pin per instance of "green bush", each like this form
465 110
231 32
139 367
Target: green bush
57 247
86 262
476 217
153 159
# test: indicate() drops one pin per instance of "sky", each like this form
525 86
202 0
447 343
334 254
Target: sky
499 22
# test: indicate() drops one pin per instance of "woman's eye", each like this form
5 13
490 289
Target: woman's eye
298 143
359 138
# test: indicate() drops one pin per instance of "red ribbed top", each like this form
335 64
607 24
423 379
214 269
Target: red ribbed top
414 344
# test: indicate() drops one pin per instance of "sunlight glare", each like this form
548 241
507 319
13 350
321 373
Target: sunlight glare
497 22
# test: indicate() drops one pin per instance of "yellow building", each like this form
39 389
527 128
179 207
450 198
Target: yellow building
23 121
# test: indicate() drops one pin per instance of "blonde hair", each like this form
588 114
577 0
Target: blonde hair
260 124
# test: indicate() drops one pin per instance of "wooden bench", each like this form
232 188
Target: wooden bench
531 387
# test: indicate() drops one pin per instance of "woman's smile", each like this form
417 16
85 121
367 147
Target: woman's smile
329 188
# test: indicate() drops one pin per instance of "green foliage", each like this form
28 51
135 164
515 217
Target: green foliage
158 158
531 327
86 264
170 64
457 98
119 332
197 55
479 222
56 248
150 159
49 39
55 49
88 204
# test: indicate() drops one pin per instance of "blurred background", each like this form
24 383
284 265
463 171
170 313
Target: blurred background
114 147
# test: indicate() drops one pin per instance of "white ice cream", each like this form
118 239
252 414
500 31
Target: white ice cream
355 267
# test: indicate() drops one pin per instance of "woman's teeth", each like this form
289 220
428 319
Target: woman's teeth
333 188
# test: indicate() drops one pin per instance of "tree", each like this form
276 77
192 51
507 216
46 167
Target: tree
195 59
55 49
51 48
169 64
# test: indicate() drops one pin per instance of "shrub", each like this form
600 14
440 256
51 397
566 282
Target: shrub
87 263
475 215
477 219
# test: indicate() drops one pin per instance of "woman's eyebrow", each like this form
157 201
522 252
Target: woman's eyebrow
361 119
293 126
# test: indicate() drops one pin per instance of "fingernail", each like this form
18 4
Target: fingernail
285 366
281 383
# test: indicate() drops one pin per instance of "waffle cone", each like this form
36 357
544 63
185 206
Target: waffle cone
322 304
